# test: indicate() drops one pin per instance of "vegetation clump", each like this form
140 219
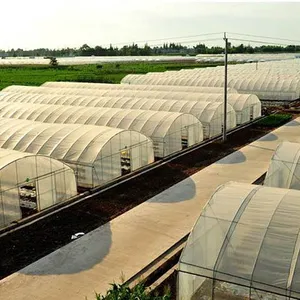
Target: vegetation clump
53 62
124 292
274 120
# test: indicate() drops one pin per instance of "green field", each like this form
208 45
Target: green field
108 72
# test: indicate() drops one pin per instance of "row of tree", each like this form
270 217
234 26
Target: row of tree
135 50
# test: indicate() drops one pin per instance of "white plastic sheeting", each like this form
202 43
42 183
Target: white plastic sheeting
233 70
84 60
79 60
167 95
245 245
208 113
246 106
284 169
110 86
282 68
265 88
262 86
169 131
96 153
33 182
246 57
237 74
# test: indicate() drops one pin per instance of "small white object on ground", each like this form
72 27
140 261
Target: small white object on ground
77 235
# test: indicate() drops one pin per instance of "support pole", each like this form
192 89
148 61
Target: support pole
225 89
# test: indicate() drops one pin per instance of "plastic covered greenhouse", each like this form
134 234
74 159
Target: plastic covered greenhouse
30 183
245 70
96 153
140 87
66 90
247 106
169 131
245 245
265 88
284 168
284 70
167 95
208 113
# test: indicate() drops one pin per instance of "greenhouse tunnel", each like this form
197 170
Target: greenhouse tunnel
265 87
30 183
170 132
245 245
284 168
113 86
97 154
246 106
208 113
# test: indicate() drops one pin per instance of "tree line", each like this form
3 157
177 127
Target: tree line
135 50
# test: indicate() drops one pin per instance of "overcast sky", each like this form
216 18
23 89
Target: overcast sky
71 23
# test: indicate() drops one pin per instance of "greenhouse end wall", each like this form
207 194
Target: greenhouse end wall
33 183
122 154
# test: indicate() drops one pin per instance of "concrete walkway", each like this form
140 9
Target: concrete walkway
134 239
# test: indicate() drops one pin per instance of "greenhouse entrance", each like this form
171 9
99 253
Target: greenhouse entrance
125 161
28 199
251 113
184 138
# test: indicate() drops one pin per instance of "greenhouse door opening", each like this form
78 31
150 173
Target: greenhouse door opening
125 162
28 199
251 113
184 138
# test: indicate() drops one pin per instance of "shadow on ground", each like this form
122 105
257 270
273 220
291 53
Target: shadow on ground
293 123
80 255
29 244
237 157
182 191
269 138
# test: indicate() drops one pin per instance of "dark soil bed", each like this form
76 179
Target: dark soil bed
28 244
